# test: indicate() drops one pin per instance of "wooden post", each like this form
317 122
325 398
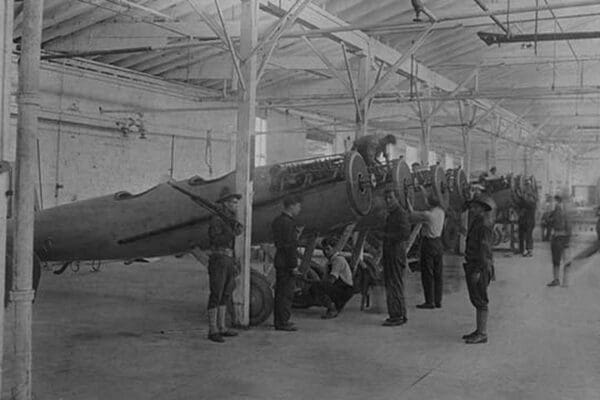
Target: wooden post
547 161
364 84
466 112
4 187
525 161
244 159
6 32
27 127
425 109
494 143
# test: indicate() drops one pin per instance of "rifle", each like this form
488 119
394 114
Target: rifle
210 206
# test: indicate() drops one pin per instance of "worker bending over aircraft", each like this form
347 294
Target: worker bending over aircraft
371 147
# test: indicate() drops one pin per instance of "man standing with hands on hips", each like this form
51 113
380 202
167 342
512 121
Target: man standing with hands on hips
285 237
479 264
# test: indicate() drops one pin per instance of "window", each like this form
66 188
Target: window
412 155
448 161
260 142
432 158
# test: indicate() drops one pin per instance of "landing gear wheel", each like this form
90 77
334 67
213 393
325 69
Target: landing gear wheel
440 186
403 183
261 298
458 186
358 183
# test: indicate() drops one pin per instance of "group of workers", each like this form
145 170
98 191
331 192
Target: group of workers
336 287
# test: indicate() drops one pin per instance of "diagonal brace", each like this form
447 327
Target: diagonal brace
440 104
392 70
352 86
234 55
284 23
332 68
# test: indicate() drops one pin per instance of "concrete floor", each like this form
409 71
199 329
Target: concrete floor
138 332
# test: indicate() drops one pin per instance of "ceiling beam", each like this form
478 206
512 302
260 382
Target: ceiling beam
315 17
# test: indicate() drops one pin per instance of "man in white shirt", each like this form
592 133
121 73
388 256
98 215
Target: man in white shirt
336 287
432 250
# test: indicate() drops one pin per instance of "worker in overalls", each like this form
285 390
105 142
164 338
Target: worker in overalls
221 264
479 264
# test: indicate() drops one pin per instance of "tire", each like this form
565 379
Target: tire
261 298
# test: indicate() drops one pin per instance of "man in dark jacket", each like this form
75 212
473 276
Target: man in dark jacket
526 225
285 237
561 235
396 233
479 267
221 264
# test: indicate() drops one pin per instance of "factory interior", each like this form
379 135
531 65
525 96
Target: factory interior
296 199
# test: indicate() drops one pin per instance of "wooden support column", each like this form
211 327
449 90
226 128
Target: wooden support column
467 116
364 84
494 143
547 163
6 32
514 148
27 127
425 110
244 158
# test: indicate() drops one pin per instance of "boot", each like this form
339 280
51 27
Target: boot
332 311
566 269
222 314
475 332
213 331
555 273
481 335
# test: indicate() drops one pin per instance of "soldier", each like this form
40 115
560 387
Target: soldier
285 237
337 286
526 225
432 250
561 235
370 147
221 264
478 264
396 233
